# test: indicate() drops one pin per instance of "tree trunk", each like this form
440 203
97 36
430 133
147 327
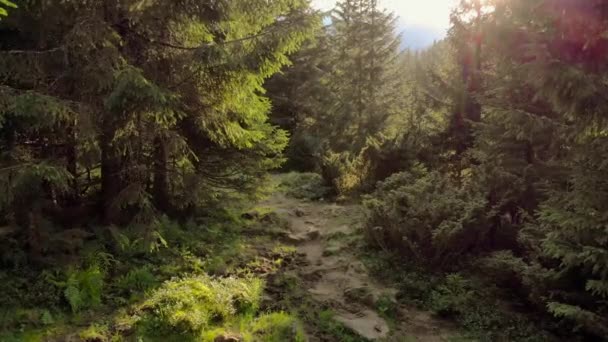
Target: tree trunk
161 180
72 164
110 175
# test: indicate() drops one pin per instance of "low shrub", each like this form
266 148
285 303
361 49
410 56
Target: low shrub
137 280
31 287
310 186
387 306
427 217
453 297
83 288
345 173
190 305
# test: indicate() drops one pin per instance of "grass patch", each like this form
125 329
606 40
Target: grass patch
277 327
387 308
329 326
95 332
189 306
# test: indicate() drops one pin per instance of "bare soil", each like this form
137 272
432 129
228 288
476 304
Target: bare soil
334 275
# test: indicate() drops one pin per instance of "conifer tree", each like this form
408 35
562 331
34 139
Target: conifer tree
300 97
541 149
5 5
365 76
133 109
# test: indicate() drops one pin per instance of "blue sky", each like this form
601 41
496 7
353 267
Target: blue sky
420 21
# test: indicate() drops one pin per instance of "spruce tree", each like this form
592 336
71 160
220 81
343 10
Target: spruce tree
132 109
300 97
365 77
541 147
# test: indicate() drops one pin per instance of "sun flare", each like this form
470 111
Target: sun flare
433 14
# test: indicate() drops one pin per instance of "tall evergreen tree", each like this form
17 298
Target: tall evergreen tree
300 97
562 58
365 77
138 108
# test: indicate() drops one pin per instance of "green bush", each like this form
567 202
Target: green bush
83 288
40 292
345 173
478 309
426 216
453 297
302 152
139 240
137 280
190 305
309 186
387 306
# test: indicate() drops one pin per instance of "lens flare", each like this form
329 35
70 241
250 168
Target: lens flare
422 13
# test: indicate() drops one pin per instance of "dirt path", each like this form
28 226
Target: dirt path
334 275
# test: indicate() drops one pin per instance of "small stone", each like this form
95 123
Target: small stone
313 276
294 238
228 338
313 234
357 268
299 212
251 215
360 295
331 250
271 217
378 328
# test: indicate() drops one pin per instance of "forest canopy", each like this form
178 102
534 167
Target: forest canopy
135 135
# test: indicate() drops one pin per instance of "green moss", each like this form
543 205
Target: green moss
277 327
95 332
190 305
284 250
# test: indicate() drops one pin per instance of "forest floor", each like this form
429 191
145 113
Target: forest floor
317 271
332 274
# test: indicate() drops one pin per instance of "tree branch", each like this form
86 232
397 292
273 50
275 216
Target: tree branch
31 52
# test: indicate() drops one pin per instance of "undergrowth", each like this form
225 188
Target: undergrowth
319 318
309 186
474 303
172 282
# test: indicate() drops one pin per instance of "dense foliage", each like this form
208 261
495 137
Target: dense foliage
128 110
342 93
490 152
118 118
519 178
130 129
